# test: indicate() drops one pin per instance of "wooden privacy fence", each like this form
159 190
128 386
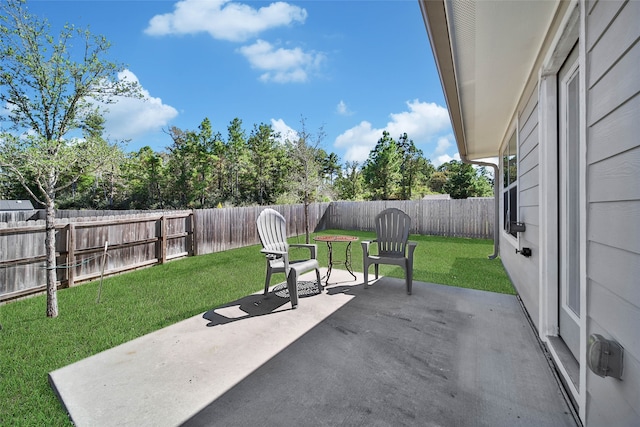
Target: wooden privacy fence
228 228
447 217
131 241
140 240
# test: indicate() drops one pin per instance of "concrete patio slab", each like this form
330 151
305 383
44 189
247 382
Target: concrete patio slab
443 356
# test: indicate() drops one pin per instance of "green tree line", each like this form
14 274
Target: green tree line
205 168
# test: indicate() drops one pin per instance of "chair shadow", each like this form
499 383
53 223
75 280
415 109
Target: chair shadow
336 289
259 304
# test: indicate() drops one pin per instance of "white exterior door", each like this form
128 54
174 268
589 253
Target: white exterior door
569 204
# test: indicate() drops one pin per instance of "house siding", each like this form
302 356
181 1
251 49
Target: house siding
608 218
613 203
612 174
523 271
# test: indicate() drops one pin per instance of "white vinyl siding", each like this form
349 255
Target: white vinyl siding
529 179
613 202
524 272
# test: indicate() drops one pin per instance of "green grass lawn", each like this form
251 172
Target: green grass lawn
143 301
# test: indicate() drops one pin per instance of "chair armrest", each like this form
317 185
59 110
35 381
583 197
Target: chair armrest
412 247
365 245
283 254
273 252
313 248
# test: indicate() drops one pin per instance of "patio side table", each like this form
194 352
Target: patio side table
330 239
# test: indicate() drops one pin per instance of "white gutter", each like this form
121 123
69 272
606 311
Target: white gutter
496 201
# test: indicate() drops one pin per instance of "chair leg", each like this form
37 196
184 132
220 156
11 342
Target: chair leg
366 275
319 279
292 284
267 281
376 267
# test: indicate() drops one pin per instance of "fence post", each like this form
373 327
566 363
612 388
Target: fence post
71 255
191 225
163 240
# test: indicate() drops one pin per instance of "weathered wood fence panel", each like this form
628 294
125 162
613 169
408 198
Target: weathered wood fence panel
17 216
139 240
454 218
228 228
131 241
22 256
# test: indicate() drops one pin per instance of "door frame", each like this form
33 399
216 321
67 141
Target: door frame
570 30
567 316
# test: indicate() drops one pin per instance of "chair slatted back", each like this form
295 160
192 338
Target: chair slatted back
392 231
272 229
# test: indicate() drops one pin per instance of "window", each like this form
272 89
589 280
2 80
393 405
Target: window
510 183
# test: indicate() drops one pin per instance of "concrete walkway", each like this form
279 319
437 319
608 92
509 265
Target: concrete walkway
443 356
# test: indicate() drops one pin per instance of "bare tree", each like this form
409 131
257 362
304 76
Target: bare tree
50 93
306 177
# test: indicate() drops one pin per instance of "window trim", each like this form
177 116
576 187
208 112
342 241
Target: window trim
510 187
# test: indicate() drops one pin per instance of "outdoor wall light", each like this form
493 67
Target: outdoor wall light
517 227
524 251
604 357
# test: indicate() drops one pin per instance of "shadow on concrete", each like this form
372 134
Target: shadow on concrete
259 304
443 356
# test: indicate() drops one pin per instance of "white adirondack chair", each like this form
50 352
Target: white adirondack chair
394 248
272 229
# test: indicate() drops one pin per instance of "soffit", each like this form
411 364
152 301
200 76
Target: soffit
493 46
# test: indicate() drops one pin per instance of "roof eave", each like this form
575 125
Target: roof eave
435 19
487 54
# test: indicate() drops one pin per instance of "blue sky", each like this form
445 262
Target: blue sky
354 68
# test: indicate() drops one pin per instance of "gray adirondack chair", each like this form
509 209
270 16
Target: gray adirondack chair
272 229
394 248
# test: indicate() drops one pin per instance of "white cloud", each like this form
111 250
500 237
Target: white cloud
445 158
224 20
281 65
128 118
443 144
358 141
342 109
285 131
422 122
